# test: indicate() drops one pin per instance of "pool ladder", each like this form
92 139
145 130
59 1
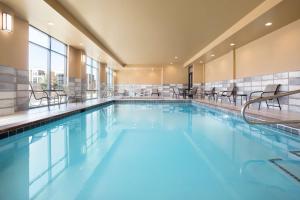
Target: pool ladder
261 121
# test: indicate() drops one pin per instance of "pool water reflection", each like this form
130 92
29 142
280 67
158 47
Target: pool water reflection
149 151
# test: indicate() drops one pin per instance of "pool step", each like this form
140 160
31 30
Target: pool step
281 164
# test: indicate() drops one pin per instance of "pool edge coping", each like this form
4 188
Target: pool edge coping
20 127
292 130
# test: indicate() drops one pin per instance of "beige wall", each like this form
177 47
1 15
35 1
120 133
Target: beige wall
14 45
74 62
198 73
276 52
220 68
102 72
175 74
152 75
139 75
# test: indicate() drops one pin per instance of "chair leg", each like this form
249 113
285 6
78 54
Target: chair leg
278 103
48 102
267 104
259 105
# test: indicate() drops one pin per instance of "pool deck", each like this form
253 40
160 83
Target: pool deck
21 121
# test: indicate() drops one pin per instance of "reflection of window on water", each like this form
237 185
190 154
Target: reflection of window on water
92 128
47 158
109 117
47 62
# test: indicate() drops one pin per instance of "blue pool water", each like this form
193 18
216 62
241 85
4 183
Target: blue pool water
150 151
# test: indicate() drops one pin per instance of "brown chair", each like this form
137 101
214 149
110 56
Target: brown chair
269 91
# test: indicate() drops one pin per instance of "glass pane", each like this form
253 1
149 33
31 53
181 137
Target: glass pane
88 61
58 46
39 37
94 78
38 67
95 63
58 66
88 76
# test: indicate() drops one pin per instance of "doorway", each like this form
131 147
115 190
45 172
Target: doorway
190 74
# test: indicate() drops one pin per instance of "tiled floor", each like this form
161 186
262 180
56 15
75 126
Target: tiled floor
43 113
274 114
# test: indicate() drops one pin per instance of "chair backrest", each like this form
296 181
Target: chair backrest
37 91
231 90
194 90
272 88
213 89
175 90
154 90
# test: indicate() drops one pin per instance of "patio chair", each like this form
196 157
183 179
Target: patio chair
231 91
60 93
39 94
175 92
155 92
73 94
269 91
193 92
210 93
140 92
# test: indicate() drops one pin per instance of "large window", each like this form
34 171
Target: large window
92 73
109 78
47 61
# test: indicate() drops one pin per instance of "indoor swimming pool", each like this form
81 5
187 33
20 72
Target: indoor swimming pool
151 151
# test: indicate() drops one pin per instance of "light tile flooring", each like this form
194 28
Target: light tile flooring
273 113
43 113
31 115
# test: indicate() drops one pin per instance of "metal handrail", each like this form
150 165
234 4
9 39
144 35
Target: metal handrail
260 99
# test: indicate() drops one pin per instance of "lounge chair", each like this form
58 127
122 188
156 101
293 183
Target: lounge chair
270 90
231 91
210 93
39 94
140 92
75 95
155 92
177 92
193 92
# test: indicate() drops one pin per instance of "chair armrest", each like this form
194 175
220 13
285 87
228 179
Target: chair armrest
271 92
250 95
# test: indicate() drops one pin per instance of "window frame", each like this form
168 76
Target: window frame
91 66
49 54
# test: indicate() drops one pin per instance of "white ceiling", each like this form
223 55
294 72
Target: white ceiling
155 31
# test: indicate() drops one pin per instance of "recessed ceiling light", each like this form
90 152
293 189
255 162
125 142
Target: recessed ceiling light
50 23
80 44
212 55
176 57
268 24
200 61
171 63
232 44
